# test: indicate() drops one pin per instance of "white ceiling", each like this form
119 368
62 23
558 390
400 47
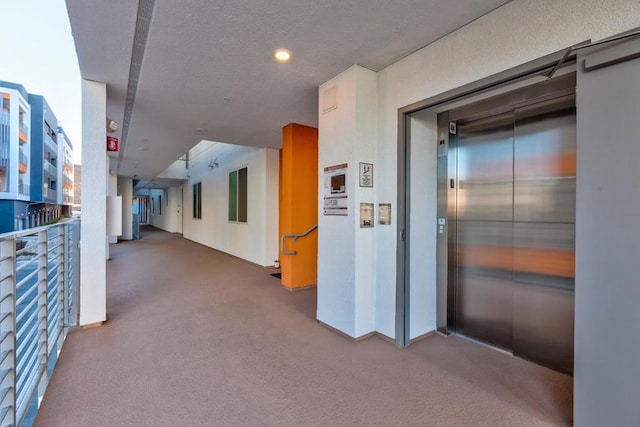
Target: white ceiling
199 52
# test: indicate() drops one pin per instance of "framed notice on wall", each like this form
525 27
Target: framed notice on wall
384 213
366 215
366 174
335 190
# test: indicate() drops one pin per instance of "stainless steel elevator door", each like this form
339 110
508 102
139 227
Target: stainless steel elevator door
515 238
544 232
485 229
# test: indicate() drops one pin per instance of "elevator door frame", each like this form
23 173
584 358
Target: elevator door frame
523 75
495 319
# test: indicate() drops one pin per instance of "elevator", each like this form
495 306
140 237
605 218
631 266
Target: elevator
506 221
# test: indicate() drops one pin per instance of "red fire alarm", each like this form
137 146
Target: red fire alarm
112 143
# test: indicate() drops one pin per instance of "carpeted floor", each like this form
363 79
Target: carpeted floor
196 337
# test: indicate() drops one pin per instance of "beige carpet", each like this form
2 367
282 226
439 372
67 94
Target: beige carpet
199 338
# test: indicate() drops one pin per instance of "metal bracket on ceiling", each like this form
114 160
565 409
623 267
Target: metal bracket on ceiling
560 62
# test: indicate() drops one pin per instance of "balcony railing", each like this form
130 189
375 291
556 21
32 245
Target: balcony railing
39 273
24 189
24 128
5 143
49 193
23 158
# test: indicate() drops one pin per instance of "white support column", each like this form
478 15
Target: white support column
112 191
93 247
346 252
125 190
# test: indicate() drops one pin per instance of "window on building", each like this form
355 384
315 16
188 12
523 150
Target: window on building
160 204
6 103
197 200
238 195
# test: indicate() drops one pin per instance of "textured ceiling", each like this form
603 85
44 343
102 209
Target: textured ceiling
208 65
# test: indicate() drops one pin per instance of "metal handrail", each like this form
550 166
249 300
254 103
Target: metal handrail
38 303
294 237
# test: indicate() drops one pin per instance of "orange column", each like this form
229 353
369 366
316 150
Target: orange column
299 204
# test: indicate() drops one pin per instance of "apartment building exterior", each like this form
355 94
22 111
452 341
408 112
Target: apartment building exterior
15 152
36 170
65 172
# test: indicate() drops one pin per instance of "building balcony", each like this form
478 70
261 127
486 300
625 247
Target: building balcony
50 168
190 342
48 193
4 149
53 146
23 133
23 162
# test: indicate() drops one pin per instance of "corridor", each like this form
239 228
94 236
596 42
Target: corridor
196 337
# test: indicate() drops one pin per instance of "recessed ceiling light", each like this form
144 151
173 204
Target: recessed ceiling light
282 55
201 130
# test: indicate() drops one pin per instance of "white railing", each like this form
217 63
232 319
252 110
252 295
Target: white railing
39 283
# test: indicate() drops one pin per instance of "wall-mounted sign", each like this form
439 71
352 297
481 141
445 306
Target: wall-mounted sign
335 190
384 213
366 175
112 144
366 215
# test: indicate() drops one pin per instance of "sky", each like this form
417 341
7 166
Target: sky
39 54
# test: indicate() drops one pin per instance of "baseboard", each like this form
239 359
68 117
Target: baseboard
360 338
422 337
301 288
92 325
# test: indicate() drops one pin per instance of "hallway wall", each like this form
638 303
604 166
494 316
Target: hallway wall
257 239
167 217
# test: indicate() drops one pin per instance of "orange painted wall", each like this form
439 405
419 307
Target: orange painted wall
299 204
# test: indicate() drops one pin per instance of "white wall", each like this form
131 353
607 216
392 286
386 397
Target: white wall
423 220
125 190
112 190
346 252
272 215
93 246
169 217
255 241
177 170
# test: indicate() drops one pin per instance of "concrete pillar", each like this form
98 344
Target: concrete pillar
346 250
125 190
299 204
112 190
93 246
